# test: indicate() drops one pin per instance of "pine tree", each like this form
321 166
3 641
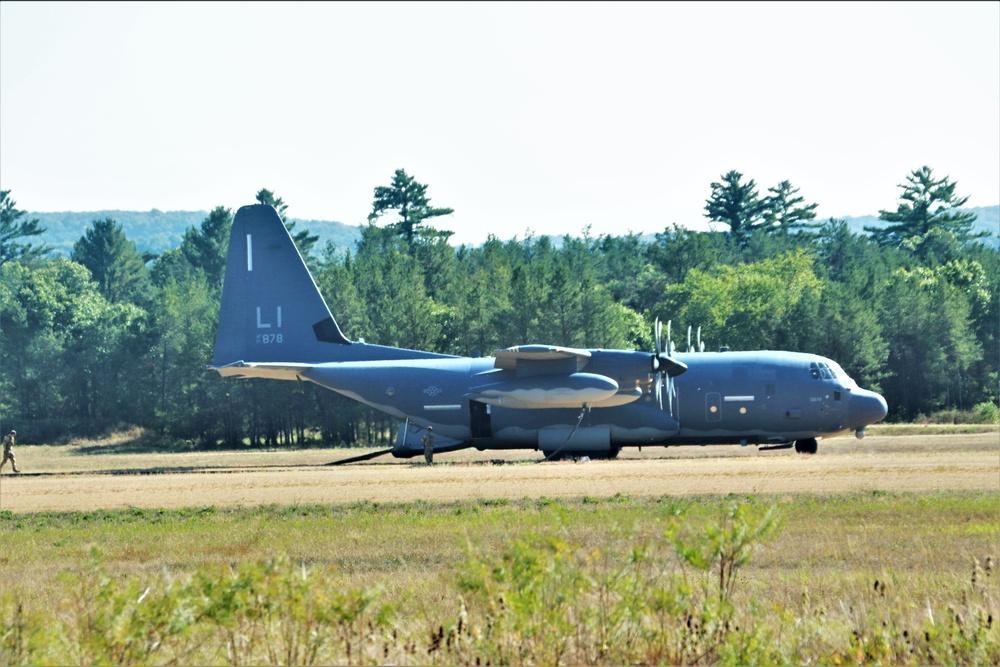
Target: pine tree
12 227
784 212
409 199
304 241
736 204
926 203
117 267
205 248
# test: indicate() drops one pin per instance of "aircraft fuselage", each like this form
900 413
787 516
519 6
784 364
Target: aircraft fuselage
723 398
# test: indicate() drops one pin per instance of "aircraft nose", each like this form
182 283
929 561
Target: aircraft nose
866 408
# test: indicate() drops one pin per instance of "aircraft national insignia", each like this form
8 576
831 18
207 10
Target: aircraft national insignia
432 391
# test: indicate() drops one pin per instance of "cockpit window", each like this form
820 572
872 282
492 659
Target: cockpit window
842 376
831 370
822 370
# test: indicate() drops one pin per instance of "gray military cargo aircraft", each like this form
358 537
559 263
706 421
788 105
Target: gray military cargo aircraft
274 323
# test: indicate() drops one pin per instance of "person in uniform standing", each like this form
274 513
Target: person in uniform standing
428 441
8 451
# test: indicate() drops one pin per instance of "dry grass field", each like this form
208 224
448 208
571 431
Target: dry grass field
84 477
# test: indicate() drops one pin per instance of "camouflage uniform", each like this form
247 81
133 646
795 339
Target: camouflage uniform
8 452
428 441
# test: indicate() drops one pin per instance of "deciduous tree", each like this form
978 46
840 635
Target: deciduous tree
749 306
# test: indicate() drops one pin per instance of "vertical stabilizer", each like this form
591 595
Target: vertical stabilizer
272 310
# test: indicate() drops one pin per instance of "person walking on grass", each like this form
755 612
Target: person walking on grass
8 451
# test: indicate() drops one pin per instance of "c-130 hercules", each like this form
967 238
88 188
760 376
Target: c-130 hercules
274 323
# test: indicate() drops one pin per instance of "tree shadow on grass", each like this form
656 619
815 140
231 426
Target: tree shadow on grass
145 443
126 448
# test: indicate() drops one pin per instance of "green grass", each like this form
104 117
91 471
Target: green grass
848 579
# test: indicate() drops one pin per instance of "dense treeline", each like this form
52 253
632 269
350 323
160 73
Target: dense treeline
156 231
110 337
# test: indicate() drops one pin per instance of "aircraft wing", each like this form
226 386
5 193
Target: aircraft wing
522 356
270 370
545 376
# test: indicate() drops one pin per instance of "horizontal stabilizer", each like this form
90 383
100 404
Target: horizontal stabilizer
272 371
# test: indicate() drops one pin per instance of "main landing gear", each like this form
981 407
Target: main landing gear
807 446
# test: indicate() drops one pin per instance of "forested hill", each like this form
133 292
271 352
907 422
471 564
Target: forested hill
156 231
987 220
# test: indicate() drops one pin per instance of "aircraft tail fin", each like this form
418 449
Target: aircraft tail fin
272 310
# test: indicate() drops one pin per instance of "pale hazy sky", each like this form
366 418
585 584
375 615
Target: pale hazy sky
521 116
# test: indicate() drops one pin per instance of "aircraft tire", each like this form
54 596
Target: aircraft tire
807 446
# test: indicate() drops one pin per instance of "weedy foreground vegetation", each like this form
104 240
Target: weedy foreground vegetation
851 579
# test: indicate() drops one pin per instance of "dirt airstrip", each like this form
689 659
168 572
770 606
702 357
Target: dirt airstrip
60 479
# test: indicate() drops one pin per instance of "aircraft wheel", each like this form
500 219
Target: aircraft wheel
807 446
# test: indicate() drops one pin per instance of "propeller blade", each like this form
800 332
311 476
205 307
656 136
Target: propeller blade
665 367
